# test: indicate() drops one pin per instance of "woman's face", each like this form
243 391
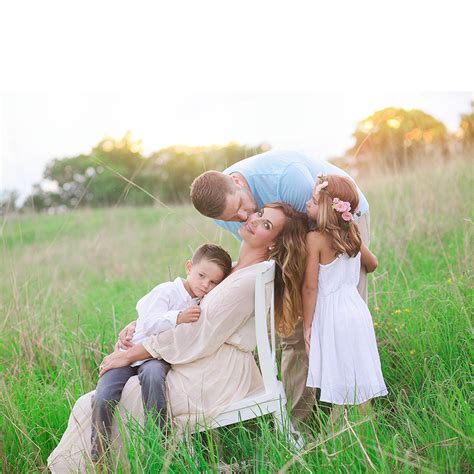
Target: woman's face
262 227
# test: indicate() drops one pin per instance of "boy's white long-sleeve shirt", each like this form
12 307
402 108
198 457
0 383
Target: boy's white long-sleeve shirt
159 309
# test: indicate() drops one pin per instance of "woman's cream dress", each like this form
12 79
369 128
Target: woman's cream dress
212 366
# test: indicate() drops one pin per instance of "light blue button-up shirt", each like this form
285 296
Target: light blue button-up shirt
285 176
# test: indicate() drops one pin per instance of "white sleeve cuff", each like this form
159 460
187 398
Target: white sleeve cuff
172 317
150 344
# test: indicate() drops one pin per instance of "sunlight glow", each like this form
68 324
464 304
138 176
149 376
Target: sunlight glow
368 125
393 123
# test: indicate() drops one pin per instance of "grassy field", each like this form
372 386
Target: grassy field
70 282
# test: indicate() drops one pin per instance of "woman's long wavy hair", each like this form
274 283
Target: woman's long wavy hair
289 253
345 236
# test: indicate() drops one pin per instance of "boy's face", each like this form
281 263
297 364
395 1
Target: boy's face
203 277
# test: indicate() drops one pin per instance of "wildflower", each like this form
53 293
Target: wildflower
412 351
397 311
407 310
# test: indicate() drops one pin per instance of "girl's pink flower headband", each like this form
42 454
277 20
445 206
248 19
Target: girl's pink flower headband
321 185
343 207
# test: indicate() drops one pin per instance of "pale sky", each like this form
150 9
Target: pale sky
298 75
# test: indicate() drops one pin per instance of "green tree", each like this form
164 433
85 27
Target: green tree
395 137
41 199
8 201
466 128
97 179
174 168
115 172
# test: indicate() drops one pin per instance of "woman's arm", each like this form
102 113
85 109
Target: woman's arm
310 284
122 359
224 310
368 259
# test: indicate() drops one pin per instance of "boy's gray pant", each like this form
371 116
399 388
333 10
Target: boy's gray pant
152 376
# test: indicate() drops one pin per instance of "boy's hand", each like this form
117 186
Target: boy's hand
189 315
125 337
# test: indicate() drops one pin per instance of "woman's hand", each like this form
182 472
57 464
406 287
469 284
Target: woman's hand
307 338
113 361
123 358
125 337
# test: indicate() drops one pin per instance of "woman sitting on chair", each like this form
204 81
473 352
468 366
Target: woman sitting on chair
212 364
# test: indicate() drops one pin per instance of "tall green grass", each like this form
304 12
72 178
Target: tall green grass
70 282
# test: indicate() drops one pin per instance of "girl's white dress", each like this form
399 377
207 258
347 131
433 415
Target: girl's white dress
343 361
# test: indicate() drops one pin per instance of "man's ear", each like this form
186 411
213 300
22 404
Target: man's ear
236 180
188 266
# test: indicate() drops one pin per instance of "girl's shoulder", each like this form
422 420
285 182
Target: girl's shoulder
314 237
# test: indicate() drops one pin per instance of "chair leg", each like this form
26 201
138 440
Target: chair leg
283 423
187 439
297 438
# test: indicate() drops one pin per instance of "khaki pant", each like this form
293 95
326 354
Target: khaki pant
294 361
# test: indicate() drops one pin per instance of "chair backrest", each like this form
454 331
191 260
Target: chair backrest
264 298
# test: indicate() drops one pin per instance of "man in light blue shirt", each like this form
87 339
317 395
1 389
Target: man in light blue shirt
283 176
232 195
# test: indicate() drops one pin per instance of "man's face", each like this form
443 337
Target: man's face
238 206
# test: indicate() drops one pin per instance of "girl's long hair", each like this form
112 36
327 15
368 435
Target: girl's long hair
289 253
345 236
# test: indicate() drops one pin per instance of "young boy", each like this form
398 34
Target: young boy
167 305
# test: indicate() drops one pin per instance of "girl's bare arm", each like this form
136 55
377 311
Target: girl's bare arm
368 259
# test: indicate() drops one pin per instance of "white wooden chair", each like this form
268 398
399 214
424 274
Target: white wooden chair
272 400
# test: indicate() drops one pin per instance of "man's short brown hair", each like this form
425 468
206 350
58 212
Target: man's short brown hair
215 254
209 192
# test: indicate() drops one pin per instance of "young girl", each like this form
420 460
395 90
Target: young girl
340 340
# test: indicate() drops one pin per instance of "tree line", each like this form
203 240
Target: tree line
116 172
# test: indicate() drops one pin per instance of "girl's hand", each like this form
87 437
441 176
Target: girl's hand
125 337
368 259
307 339
113 361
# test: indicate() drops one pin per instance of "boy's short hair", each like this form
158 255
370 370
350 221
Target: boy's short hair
209 193
215 254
